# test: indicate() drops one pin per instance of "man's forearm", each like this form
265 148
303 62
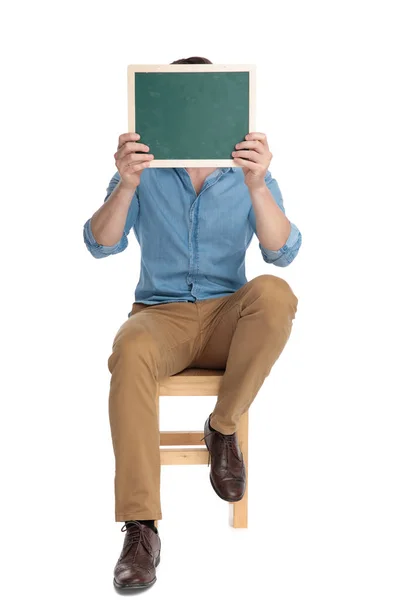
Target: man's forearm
108 222
273 227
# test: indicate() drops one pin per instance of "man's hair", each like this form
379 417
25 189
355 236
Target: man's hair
193 60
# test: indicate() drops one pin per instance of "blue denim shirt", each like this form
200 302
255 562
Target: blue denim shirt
192 246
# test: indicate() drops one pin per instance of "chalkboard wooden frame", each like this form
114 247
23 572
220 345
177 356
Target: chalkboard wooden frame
207 68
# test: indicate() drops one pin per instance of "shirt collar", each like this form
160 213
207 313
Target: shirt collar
221 170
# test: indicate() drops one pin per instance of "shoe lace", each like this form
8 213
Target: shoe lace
135 535
228 440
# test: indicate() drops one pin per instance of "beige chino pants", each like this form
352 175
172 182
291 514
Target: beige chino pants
243 333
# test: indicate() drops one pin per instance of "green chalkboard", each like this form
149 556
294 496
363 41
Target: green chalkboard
192 116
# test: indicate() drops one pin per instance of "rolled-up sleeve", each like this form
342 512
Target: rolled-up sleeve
99 250
288 252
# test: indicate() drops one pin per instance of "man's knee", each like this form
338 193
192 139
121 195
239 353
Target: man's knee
270 287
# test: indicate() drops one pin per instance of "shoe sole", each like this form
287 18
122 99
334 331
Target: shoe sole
217 492
135 586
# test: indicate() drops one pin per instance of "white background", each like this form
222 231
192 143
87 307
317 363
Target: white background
324 449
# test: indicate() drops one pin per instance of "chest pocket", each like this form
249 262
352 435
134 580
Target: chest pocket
223 223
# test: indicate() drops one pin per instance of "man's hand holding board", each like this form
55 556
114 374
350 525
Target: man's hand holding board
129 162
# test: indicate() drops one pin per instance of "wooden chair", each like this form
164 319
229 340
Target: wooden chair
191 449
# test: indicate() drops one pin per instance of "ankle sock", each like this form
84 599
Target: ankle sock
212 428
225 434
150 524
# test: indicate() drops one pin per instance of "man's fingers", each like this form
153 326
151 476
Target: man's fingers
251 155
134 168
130 147
257 135
255 144
128 137
133 158
241 162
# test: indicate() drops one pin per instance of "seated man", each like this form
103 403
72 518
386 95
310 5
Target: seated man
193 308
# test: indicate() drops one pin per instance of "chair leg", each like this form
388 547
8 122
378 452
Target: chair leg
158 419
240 508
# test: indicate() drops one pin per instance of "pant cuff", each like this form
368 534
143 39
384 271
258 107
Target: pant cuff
145 516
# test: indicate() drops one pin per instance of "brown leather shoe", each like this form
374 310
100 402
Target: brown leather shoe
136 566
228 472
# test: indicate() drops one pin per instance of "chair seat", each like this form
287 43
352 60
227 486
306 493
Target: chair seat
192 382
